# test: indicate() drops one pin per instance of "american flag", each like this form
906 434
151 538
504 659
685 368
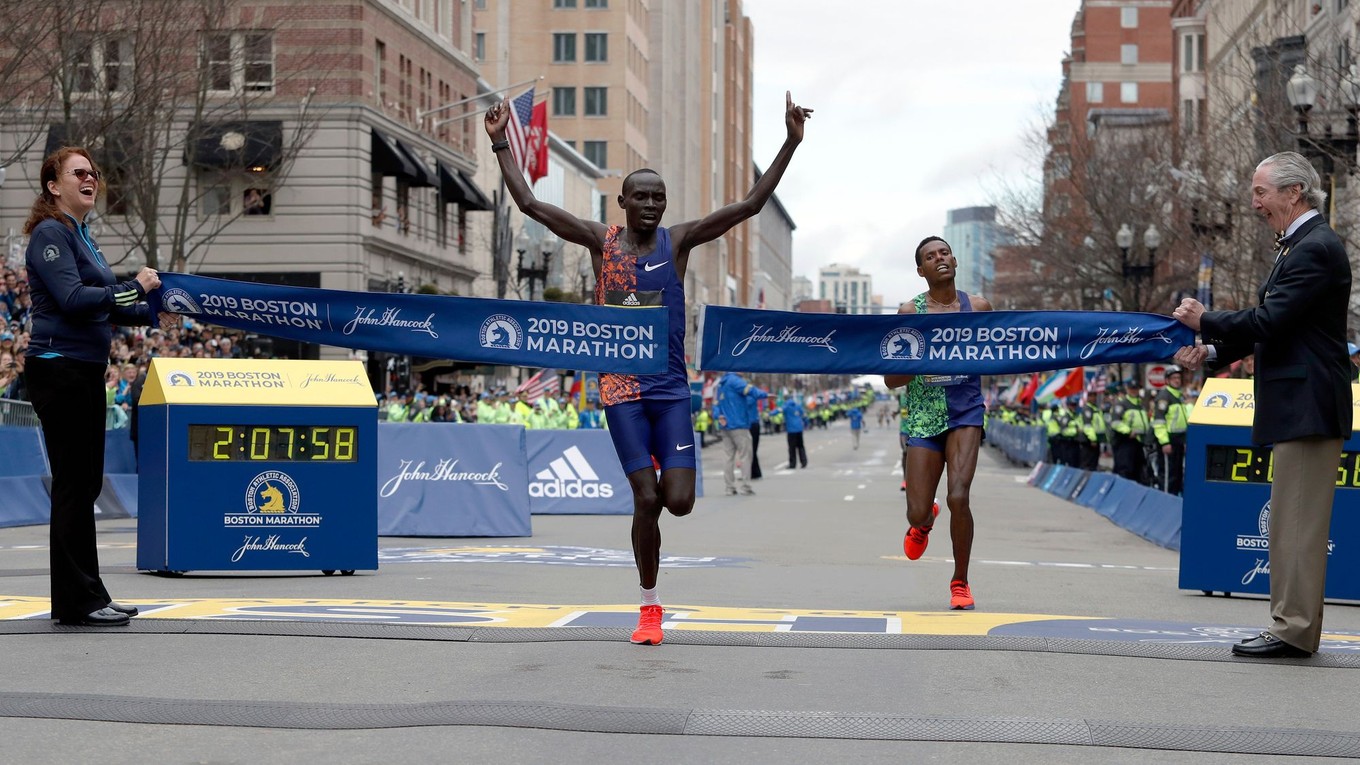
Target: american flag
545 382
517 131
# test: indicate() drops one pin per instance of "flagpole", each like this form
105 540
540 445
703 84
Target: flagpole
422 115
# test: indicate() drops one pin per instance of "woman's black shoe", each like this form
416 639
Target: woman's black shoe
104 617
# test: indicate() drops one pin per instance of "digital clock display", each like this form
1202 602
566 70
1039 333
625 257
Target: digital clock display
1256 464
273 443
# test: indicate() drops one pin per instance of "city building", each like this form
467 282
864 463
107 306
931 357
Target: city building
773 264
848 290
635 84
301 151
973 234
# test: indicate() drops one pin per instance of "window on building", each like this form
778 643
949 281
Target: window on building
117 196
103 65
597 3
564 47
1128 92
215 193
257 201
597 46
479 46
239 61
564 102
597 102
595 151
1128 54
479 5
1128 17
1062 166
379 69
564 3
1192 52
1095 92
1189 115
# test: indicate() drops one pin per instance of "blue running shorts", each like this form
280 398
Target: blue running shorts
643 428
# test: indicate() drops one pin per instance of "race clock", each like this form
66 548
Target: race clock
257 465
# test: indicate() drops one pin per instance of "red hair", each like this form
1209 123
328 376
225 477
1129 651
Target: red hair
45 206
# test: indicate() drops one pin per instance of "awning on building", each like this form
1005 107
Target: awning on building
424 176
254 144
388 158
455 186
109 148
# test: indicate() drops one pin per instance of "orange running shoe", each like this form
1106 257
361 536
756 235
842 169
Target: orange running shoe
960 596
914 543
648 631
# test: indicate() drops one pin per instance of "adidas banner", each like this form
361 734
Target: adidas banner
974 343
443 480
481 330
576 472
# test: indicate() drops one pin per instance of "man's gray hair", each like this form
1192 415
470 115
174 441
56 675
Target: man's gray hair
1289 168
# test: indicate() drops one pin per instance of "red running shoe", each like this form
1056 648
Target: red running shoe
648 631
960 596
914 543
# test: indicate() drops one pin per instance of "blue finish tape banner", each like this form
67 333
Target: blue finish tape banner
481 330
446 480
984 342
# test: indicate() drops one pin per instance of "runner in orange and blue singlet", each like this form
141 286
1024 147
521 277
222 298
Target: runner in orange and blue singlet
643 265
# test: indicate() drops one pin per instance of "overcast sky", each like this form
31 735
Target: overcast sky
921 107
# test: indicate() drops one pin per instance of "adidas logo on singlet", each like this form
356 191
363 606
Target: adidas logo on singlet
632 299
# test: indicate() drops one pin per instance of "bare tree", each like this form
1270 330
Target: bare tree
187 108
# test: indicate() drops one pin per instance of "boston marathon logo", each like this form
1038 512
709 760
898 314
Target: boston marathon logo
570 476
272 499
1217 401
786 336
501 331
547 555
444 470
179 301
902 343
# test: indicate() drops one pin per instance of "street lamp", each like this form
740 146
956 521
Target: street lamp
1135 273
541 259
1324 150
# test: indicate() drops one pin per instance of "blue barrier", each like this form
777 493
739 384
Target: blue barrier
576 472
1151 514
22 452
448 480
26 501
1024 444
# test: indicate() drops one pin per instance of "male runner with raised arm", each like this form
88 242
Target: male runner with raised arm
643 264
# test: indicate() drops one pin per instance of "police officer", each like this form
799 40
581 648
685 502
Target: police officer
1130 426
1068 429
1091 434
1169 419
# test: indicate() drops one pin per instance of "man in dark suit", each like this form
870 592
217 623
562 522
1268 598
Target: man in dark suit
1303 397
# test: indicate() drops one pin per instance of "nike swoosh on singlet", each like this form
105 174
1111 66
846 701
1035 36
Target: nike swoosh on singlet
680 448
654 266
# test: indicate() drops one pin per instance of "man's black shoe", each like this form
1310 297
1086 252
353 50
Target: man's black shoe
122 609
104 617
1267 646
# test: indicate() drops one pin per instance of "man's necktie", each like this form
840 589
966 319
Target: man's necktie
1279 242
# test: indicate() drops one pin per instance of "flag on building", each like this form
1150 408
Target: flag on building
545 382
527 132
